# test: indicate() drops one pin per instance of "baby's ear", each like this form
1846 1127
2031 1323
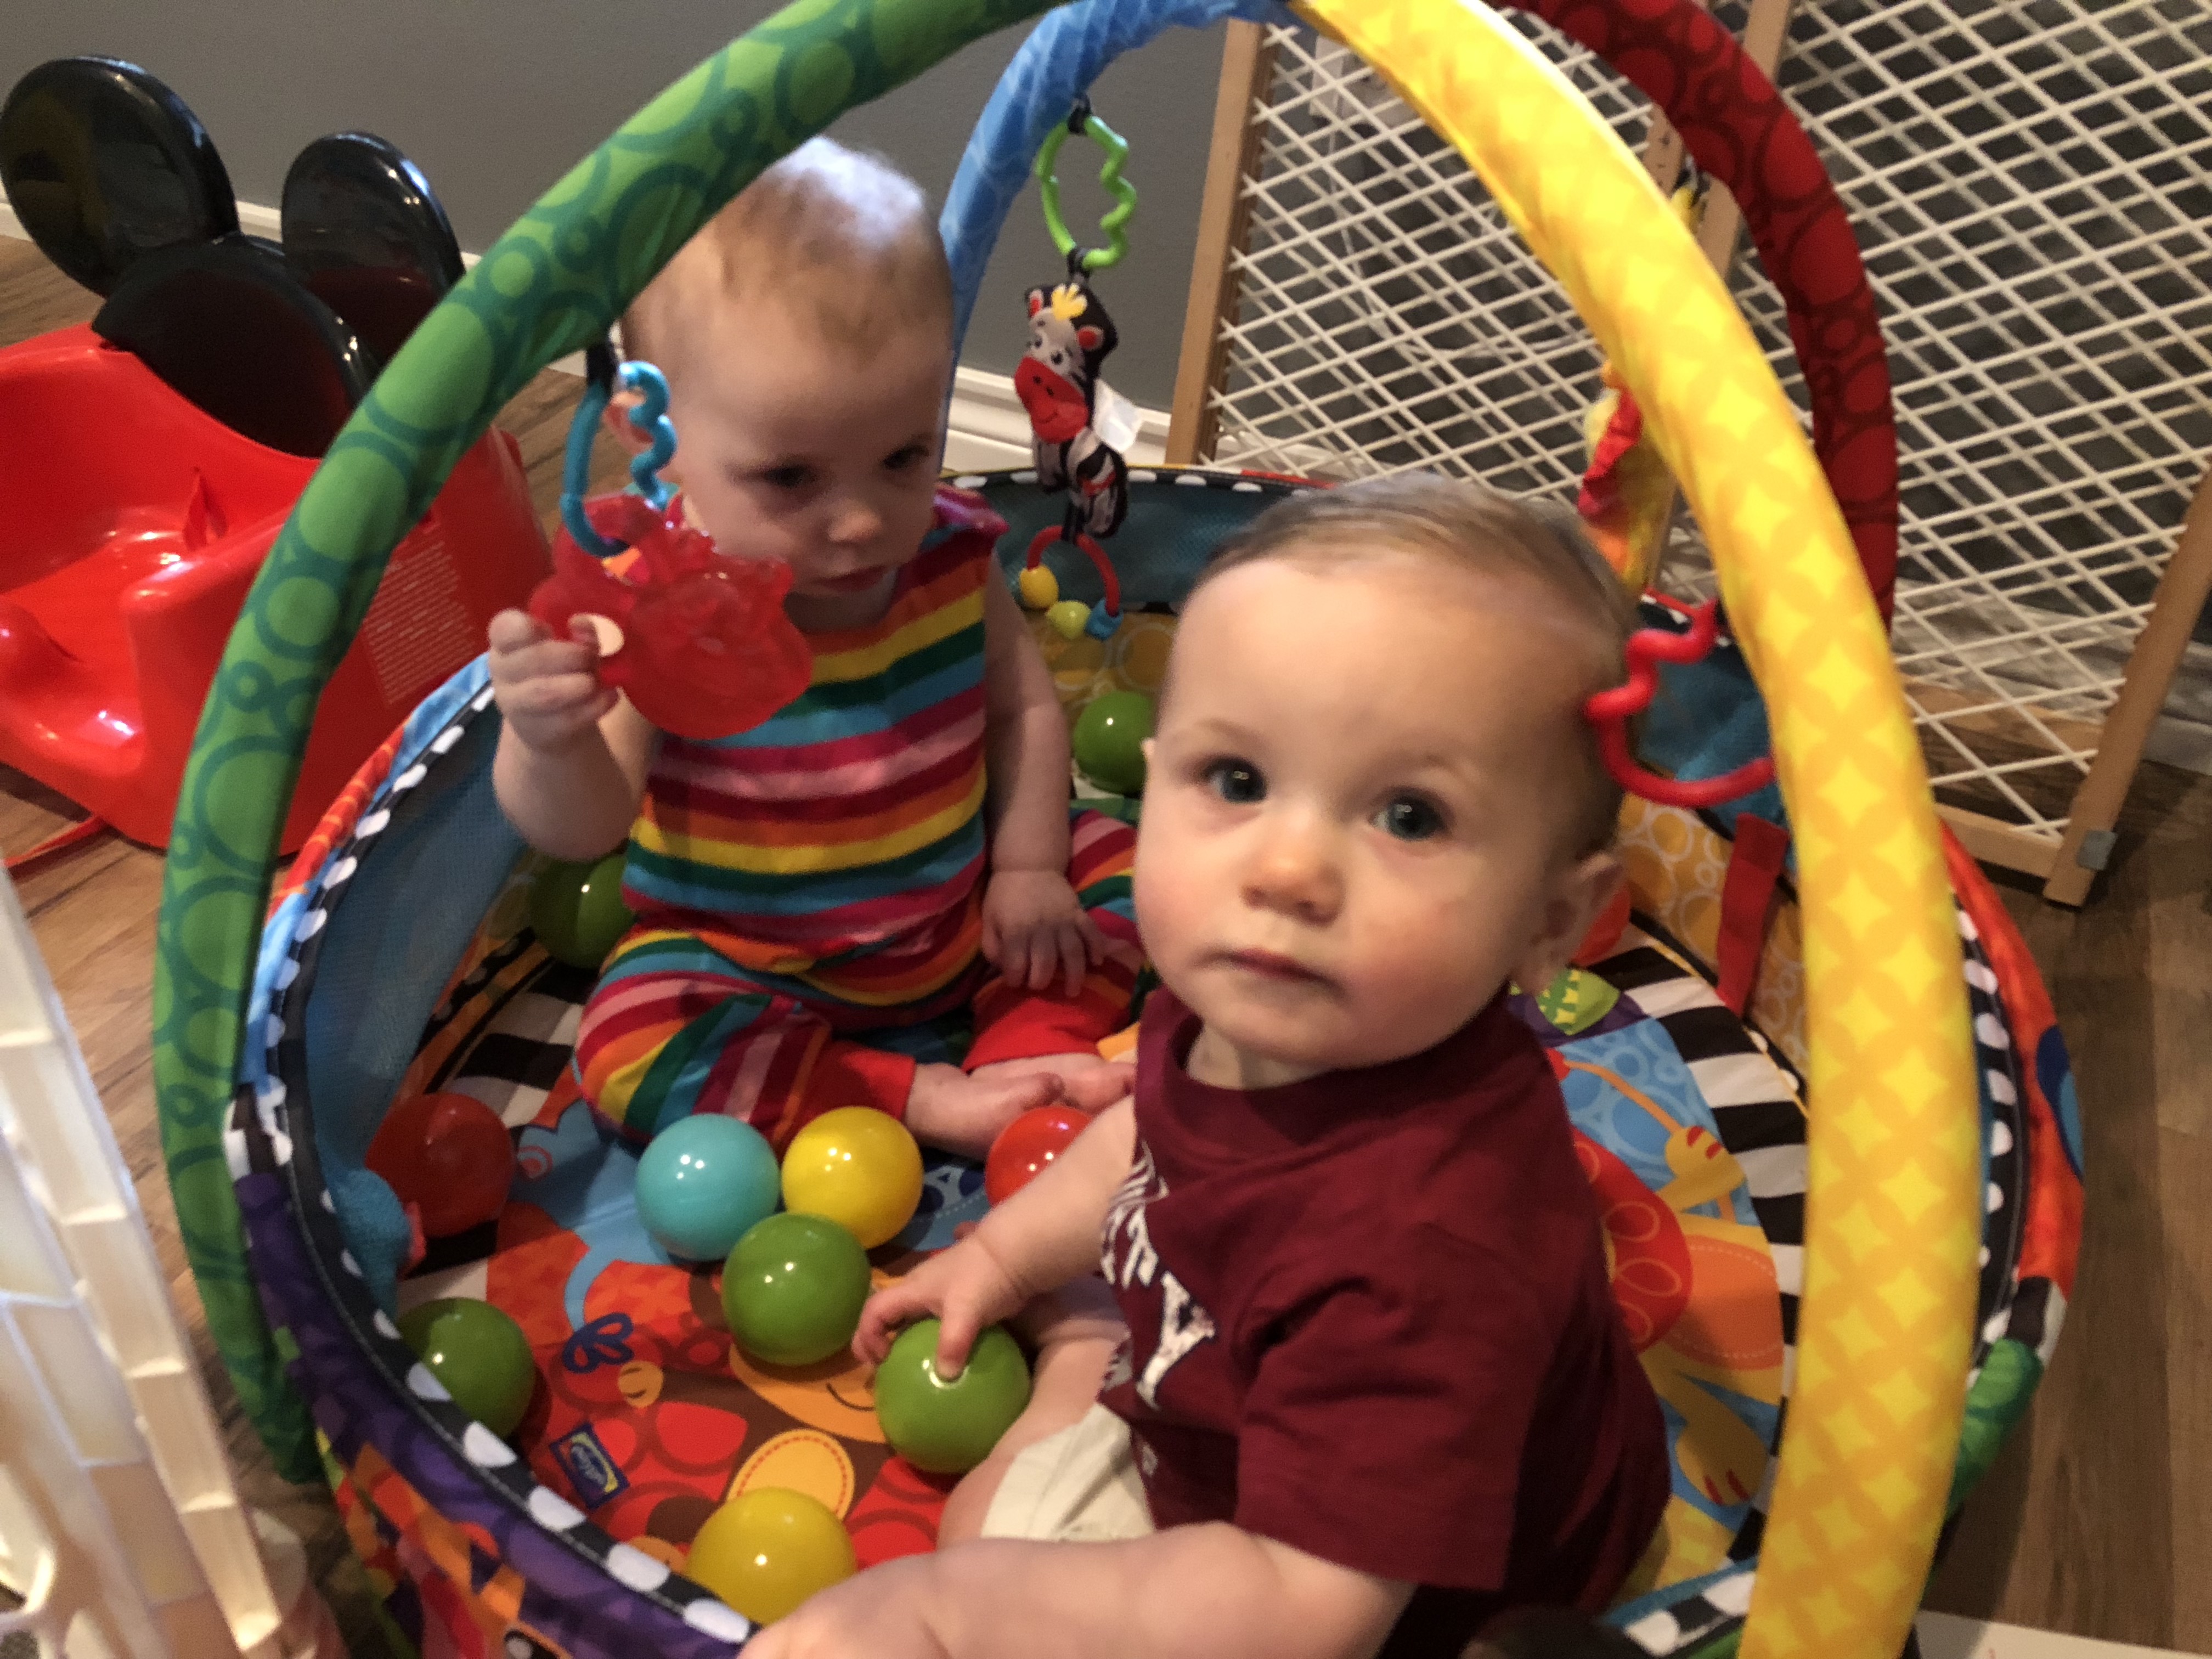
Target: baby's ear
1574 896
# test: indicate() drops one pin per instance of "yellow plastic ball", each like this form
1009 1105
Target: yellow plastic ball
1039 588
765 1552
1069 618
858 1167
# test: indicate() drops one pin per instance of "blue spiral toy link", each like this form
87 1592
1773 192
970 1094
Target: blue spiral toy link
602 375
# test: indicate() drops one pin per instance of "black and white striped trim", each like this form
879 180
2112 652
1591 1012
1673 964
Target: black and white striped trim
495 1463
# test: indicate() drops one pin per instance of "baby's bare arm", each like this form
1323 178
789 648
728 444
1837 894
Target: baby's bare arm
1038 1240
1026 743
578 799
1202 1592
1047 1233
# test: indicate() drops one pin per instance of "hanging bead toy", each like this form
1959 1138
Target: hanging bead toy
1080 425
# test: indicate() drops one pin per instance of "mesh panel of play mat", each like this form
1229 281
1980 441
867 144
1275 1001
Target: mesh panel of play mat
1813 1077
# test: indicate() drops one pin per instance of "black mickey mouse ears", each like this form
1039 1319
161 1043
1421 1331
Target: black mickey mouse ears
104 164
367 234
120 185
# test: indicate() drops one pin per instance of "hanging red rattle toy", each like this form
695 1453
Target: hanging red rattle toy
1610 711
706 651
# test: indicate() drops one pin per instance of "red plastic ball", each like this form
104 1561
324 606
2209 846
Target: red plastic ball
447 1155
1026 1145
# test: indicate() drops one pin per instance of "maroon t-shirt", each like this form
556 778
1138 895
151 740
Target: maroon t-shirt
1369 1318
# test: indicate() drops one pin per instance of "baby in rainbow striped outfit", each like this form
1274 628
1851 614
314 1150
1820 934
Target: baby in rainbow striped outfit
828 903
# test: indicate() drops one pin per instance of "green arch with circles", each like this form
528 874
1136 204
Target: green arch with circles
552 285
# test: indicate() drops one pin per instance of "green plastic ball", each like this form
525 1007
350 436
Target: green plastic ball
577 910
792 1289
948 1428
1109 740
478 1354
1069 617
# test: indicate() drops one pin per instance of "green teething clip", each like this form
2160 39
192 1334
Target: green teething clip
1123 193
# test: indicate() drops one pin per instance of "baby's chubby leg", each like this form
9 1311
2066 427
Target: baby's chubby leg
1074 1332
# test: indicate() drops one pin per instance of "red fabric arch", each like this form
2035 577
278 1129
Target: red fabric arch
1735 124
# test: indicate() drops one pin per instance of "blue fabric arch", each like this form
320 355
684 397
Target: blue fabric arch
1064 54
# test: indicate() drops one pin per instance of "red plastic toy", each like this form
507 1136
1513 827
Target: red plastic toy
149 460
1026 1145
448 1158
138 523
706 651
1611 711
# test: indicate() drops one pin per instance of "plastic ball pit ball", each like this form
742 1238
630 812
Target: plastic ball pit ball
1025 1146
703 1183
577 910
478 1355
948 1428
858 1167
447 1155
1039 588
792 1289
767 1550
1109 740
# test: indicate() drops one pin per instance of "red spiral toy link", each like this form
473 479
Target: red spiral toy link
1610 711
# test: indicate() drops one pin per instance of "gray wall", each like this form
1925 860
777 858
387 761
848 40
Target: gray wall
496 99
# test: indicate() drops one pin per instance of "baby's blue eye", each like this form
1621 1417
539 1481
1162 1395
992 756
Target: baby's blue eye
901 461
1235 782
787 477
1410 818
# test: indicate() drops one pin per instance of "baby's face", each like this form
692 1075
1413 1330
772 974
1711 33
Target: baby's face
793 447
1356 807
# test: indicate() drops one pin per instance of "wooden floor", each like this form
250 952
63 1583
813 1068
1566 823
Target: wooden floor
2098 1520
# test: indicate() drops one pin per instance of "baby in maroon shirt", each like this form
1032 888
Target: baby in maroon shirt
1353 1381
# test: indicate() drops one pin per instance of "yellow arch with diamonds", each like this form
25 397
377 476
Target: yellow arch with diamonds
1892 1209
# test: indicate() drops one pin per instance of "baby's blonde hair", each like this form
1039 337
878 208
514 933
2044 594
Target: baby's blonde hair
840 234
1477 528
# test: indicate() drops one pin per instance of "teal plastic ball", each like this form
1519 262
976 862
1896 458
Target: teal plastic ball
704 1184
792 1289
577 910
948 1428
1109 740
478 1355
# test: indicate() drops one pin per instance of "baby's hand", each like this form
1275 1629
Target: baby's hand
548 689
1034 928
1088 1081
949 1108
965 1288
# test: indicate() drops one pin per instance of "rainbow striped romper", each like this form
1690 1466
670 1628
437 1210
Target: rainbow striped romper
809 894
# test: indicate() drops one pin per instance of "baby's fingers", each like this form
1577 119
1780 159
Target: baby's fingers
1074 959
516 630
553 695
1096 944
880 1319
957 1330
1013 961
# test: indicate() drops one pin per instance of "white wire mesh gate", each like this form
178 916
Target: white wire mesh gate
2030 185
